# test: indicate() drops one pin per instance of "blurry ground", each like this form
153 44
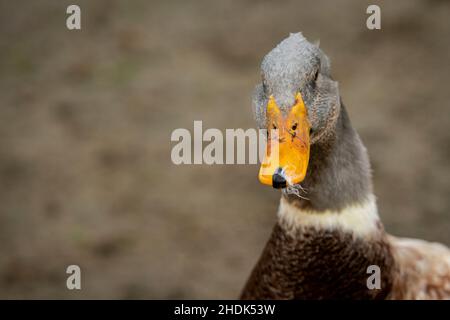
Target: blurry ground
86 118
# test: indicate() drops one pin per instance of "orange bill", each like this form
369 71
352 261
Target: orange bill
287 151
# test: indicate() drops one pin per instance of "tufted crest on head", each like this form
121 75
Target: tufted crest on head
296 65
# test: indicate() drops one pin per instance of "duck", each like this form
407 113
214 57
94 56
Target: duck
328 239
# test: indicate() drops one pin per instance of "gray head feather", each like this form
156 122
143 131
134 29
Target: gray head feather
296 65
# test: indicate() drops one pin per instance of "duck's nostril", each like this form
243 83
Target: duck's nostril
278 181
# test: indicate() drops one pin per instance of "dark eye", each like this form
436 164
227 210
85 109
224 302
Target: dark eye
294 127
274 126
316 75
264 85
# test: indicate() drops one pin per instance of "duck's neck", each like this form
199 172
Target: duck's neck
322 247
338 172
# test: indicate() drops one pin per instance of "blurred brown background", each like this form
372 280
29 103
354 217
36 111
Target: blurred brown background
86 118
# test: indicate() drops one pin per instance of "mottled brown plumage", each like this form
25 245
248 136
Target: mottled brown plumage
324 264
319 264
422 270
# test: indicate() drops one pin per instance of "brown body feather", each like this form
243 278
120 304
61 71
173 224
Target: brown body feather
422 270
321 264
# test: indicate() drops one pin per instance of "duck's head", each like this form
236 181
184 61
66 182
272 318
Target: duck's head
298 103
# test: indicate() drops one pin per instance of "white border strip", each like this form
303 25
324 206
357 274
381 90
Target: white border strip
361 219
